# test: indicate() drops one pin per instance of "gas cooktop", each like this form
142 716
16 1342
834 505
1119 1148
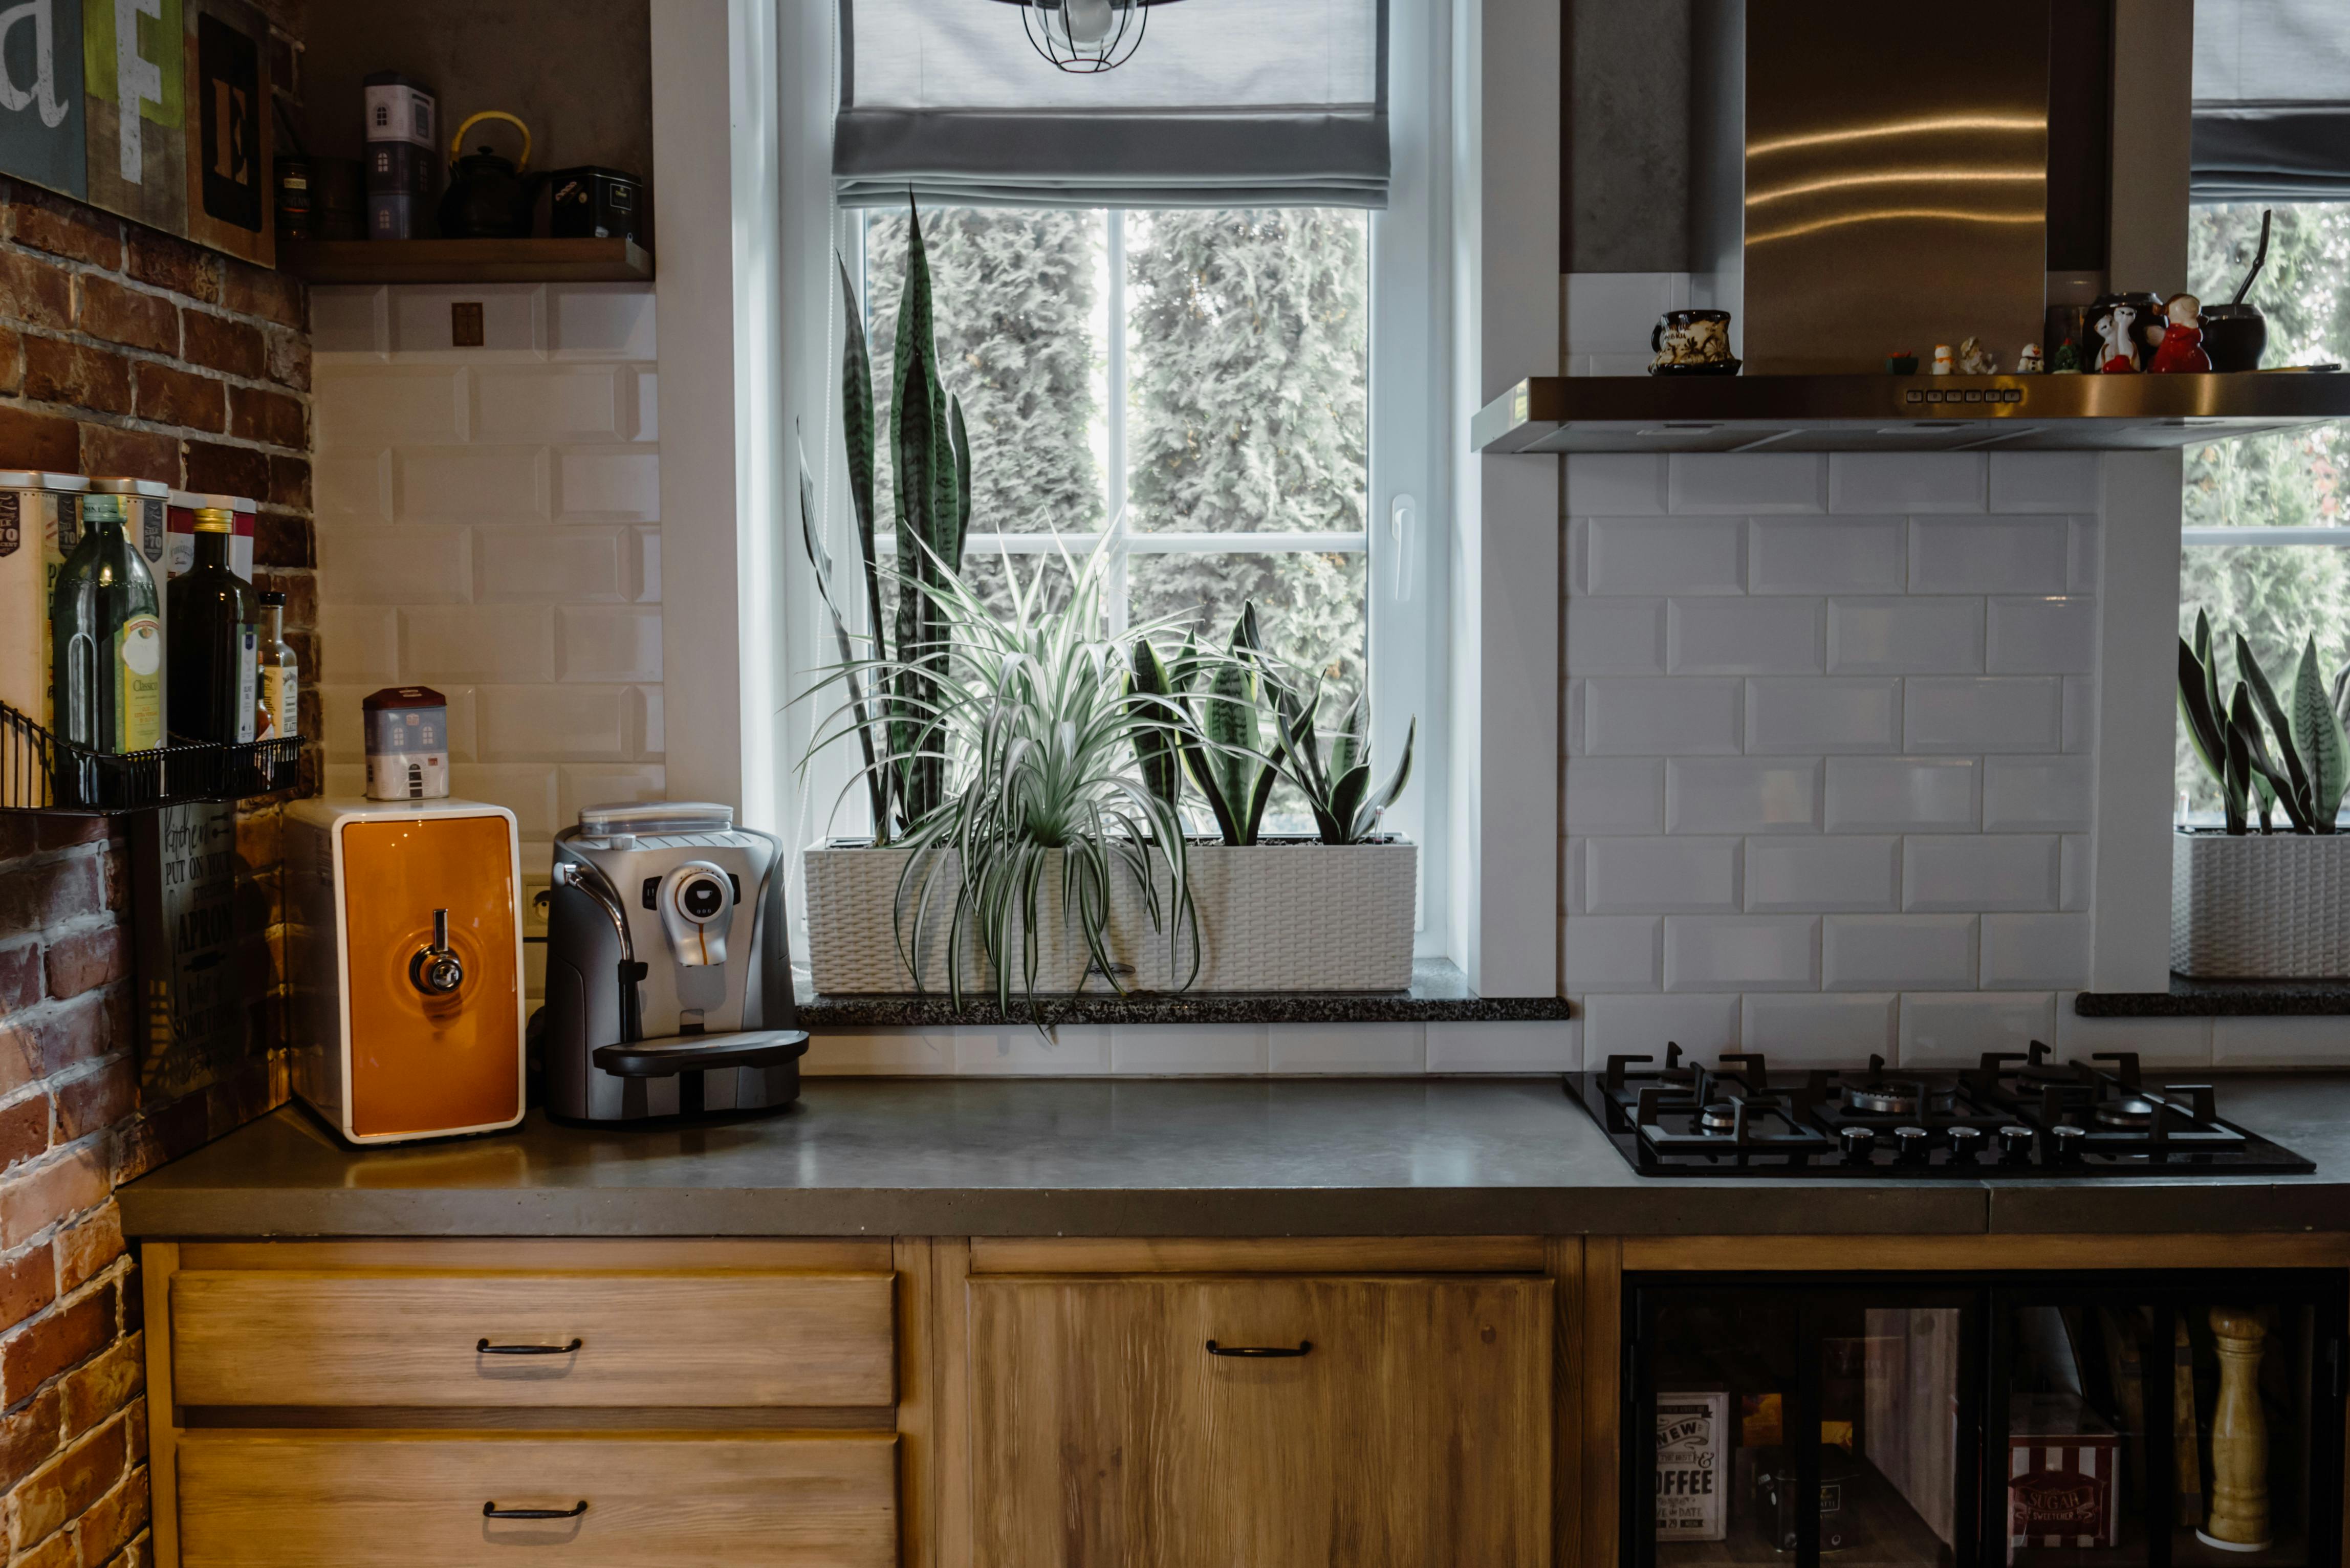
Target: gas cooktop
2013 1114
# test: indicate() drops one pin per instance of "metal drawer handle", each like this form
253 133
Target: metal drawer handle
1261 1352
492 1511
486 1348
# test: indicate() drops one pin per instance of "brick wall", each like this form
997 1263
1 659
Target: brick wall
122 351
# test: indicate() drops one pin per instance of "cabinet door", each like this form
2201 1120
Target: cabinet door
1414 1428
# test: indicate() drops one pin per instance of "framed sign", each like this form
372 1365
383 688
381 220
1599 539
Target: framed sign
156 110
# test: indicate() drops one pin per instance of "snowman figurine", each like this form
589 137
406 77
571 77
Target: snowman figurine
2121 349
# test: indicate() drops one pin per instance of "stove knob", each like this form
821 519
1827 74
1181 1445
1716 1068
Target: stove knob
2015 1143
1858 1143
1909 1143
1965 1142
2070 1141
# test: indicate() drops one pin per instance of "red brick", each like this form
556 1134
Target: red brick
65 1338
59 1550
175 264
272 418
62 1489
89 1026
56 371
36 291
84 1251
110 1382
20 1058
67 831
227 470
87 960
138 1422
29 1437
23 1135
233 346
289 358
92 1104
301 590
12 359
118 880
40 896
274 295
20 976
106 310
112 1521
62 1188
289 483
27 1285
175 396
131 454
30 440
64 228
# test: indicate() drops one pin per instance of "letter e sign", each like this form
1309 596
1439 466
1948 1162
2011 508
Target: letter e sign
228 68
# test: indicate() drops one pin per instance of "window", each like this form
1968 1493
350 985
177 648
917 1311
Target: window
2267 542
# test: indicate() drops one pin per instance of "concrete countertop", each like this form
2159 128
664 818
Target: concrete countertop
1163 1157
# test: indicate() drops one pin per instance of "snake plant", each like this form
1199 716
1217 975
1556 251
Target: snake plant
2302 764
929 452
1346 805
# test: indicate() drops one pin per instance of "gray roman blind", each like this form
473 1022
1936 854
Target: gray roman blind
2272 100
1225 103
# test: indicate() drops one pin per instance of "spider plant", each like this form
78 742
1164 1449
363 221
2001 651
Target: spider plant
2308 773
1030 725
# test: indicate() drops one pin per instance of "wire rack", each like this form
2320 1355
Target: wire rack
41 772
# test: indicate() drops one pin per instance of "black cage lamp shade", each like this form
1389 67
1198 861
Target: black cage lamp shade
1083 36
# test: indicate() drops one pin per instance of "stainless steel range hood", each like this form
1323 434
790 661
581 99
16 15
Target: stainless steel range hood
1872 178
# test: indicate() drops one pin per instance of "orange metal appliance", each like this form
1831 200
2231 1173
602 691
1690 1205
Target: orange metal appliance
405 926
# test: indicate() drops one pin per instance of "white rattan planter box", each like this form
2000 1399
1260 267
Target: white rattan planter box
2260 905
1288 916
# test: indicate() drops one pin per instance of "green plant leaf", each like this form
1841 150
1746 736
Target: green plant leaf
2208 656
1229 720
1347 801
2269 784
2294 788
2317 736
1155 745
2205 734
959 437
820 558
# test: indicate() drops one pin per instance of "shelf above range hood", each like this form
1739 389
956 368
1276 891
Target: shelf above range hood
1902 414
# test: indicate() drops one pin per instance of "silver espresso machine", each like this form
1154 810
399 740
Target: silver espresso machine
669 976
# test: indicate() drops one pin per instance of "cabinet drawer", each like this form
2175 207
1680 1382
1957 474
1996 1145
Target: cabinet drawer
404 1338
372 1499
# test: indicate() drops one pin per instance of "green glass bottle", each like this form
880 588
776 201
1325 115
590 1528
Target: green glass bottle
216 641
106 667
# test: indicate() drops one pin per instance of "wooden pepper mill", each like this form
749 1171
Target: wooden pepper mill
2239 1518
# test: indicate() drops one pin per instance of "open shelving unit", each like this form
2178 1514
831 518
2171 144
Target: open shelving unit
39 771
466 261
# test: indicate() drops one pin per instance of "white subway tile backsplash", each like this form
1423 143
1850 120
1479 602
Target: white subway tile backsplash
477 642
2167 1043
1906 635
648 405
2052 635
1605 484
1646 555
1615 637
1905 482
1747 481
557 723
1685 716
363 642
2046 482
1830 715
481 483
2086 550
1702 1026
651 731
552 403
1531 1048
1373 1048
648 580
1082 1049
1572 703
1894 794
1660 876
1821 1031
1743 636
2074 860
2080 714
1196 1048
2240 1042
618 643
2043 795
2027 953
1611 312
1978 872
395 566
1827 555
583 785
512 319
1954 1031
1611 952
1742 952
1990 555
577 566
355 406
531 791
1992 713
1615 796
1742 795
603 484
352 487
1828 875
600 321
342 709
348 321
1891 952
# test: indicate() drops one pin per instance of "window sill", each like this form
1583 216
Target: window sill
2221 999
1440 994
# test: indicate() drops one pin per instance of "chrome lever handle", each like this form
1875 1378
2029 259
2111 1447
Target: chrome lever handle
436 970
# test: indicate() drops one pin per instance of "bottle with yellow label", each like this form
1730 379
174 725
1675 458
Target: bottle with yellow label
107 640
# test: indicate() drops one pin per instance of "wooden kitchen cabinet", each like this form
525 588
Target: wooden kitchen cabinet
1413 1429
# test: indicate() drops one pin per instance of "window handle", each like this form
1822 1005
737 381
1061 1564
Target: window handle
1400 513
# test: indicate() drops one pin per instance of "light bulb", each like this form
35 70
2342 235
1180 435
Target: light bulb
1088 21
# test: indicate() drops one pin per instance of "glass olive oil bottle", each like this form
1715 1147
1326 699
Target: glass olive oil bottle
216 641
106 665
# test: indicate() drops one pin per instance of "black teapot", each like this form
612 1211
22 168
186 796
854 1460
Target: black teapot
488 198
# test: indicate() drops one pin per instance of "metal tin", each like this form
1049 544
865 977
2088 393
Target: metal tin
595 203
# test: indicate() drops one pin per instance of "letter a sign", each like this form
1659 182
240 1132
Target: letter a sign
41 93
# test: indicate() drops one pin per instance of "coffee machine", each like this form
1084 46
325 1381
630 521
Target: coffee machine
669 976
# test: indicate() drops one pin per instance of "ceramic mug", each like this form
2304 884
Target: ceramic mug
2235 336
1689 339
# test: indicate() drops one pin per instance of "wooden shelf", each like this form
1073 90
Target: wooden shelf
466 261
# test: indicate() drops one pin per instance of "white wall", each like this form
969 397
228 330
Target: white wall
489 525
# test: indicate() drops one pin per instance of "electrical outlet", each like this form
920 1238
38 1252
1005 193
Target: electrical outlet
465 323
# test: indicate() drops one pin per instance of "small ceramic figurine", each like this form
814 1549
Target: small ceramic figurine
1901 363
1944 364
2028 362
2121 346
2182 348
2067 361
1974 359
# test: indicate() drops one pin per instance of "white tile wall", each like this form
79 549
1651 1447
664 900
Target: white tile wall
489 523
1830 791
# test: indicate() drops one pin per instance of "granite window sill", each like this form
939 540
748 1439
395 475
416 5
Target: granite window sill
1440 994
2221 999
